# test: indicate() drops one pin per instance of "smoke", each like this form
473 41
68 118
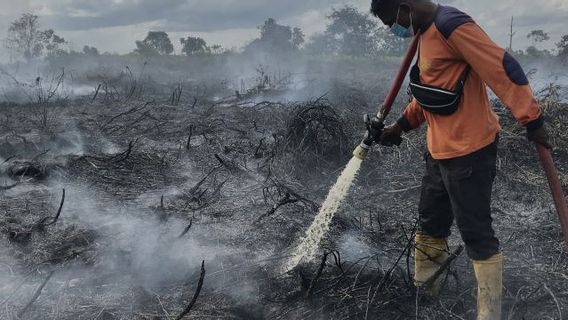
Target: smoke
353 248
544 73
119 246
154 251
132 248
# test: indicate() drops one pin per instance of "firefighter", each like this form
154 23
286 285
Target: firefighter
456 61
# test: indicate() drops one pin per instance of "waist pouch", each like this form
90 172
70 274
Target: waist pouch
436 100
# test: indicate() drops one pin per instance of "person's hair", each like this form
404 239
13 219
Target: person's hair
379 5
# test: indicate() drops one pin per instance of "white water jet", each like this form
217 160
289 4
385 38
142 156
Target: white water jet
307 249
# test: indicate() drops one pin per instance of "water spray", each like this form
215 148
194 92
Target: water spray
308 247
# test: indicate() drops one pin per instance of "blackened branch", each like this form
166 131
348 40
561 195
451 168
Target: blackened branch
196 294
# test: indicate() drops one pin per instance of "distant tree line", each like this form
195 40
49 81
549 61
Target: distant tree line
348 33
159 43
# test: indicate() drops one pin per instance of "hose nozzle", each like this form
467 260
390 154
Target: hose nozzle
361 151
374 130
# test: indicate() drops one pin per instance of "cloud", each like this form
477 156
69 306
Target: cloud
122 39
173 15
234 22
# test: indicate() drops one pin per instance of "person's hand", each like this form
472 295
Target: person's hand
391 135
539 136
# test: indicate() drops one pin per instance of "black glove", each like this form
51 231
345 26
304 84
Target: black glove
539 136
391 135
374 130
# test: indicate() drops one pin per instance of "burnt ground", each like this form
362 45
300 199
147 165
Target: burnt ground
152 189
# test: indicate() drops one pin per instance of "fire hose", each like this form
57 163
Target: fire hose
375 126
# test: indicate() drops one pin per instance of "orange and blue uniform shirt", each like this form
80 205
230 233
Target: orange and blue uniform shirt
450 43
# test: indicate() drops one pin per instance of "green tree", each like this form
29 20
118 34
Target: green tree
216 49
26 38
321 44
53 43
194 45
534 52
155 43
90 51
145 50
276 39
298 37
354 31
538 36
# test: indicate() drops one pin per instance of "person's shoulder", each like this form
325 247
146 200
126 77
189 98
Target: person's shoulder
448 19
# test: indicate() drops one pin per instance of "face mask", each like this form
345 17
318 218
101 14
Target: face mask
401 31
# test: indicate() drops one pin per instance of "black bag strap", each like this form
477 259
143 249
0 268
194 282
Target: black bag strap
415 73
463 78
417 63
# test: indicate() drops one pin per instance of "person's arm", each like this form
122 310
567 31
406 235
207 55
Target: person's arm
499 70
412 117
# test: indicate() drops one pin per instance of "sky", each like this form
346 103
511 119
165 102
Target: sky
114 25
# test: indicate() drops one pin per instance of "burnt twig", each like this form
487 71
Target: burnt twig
194 103
9 158
4 188
196 294
282 189
257 153
40 155
96 92
453 256
388 274
188 145
354 285
186 230
286 200
43 222
128 112
337 259
224 163
318 275
176 95
220 160
124 155
162 213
